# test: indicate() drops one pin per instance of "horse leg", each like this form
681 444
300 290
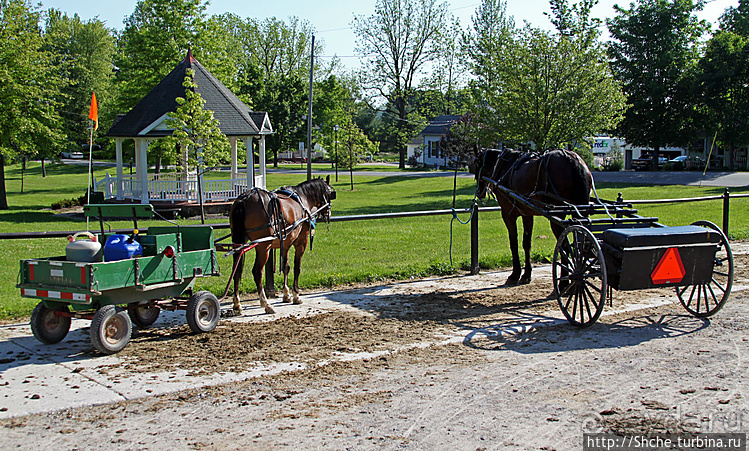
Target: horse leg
557 231
286 269
239 265
527 237
512 232
261 257
298 252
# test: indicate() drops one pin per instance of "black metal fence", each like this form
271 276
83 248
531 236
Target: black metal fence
474 210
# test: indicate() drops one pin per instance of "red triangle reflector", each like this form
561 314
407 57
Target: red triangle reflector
670 269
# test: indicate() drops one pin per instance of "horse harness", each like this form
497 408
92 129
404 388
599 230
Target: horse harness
276 220
544 162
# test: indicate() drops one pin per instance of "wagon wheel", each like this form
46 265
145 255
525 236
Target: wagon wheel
579 273
47 326
203 311
110 329
144 315
706 299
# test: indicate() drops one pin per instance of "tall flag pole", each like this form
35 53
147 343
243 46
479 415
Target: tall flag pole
93 114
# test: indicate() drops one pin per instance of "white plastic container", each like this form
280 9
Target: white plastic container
87 251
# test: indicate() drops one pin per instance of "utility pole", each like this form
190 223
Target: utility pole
335 129
309 110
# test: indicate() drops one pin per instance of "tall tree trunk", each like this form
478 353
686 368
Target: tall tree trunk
3 194
402 124
44 169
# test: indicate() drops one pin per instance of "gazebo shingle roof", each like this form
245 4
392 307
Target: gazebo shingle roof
235 118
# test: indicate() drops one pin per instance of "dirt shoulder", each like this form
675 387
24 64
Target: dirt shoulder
458 362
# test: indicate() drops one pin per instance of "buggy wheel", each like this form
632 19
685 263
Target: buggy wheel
144 315
47 325
203 311
110 329
579 273
706 299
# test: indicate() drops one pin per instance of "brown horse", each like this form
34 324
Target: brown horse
557 177
280 219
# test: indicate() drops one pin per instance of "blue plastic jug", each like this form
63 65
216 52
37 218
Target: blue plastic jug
121 247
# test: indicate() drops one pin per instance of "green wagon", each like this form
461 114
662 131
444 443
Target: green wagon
116 294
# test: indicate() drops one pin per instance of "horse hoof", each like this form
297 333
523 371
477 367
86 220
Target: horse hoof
524 281
269 310
297 301
287 299
511 281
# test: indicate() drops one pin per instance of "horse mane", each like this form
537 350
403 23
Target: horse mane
313 190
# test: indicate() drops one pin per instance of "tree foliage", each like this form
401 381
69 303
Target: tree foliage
82 55
29 87
196 131
654 51
155 39
723 84
551 89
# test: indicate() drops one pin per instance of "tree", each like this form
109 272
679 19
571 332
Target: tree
82 56
273 73
654 52
397 42
724 88
736 19
552 89
155 39
485 46
28 88
353 145
196 133
448 75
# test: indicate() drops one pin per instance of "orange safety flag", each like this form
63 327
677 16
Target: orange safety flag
93 113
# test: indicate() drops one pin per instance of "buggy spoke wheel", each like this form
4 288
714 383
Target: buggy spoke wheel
579 274
707 299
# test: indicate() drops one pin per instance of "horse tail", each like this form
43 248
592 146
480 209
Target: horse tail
236 221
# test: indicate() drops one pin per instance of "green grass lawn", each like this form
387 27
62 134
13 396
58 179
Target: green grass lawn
344 252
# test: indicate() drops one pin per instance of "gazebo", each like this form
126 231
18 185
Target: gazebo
145 123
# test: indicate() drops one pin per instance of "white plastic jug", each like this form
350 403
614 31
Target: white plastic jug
83 250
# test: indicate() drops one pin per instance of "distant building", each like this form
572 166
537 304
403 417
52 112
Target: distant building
425 148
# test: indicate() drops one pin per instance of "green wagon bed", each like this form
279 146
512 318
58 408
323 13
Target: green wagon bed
115 294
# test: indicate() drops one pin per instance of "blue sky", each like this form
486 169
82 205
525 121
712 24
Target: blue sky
332 18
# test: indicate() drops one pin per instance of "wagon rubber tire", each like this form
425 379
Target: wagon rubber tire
48 327
203 312
579 274
110 329
719 287
144 315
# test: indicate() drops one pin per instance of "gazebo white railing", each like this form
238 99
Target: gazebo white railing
174 190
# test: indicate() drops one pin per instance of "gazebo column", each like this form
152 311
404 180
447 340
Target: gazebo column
250 163
233 141
262 161
120 175
141 168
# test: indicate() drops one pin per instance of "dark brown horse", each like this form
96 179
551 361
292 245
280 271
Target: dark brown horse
556 177
280 219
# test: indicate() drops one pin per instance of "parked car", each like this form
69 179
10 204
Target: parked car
645 162
71 154
686 162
